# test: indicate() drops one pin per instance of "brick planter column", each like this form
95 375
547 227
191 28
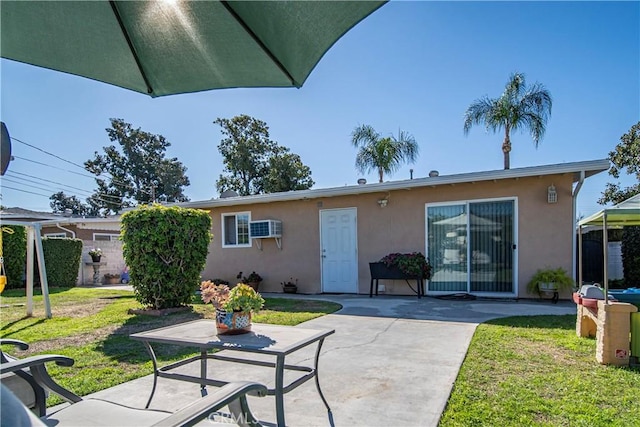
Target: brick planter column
614 328
585 322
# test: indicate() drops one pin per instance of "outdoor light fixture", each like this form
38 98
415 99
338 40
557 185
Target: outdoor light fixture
383 202
552 195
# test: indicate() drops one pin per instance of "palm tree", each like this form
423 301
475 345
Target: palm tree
385 154
519 107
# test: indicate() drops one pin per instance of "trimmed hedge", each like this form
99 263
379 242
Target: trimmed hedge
62 260
14 250
631 255
166 249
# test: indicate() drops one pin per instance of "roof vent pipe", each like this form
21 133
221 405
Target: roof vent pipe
362 181
433 173
410 173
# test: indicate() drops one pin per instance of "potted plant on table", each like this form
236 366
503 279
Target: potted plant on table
549 281
95 254
233 306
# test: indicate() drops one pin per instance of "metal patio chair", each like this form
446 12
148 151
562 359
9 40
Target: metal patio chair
21 382
96 412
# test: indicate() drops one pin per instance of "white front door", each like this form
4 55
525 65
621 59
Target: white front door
338 250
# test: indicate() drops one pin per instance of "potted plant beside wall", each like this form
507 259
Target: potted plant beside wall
252 280
549 281
290 286
412 264
111 278
95 254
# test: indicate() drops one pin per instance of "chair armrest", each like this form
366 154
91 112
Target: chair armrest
20 344
226 395
32 361
6 341
38 370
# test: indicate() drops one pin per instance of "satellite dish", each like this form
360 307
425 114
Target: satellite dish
5 149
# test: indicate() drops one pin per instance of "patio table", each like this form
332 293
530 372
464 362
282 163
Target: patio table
273 340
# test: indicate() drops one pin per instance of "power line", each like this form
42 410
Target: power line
51 154
27 185
98 196
24 191
48 197
11 174
55 167
59 183
113 180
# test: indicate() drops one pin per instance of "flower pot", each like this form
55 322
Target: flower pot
547 287
96 258
254 285
290 289
233 322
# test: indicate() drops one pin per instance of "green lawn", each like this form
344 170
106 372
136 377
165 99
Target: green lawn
93 326
524 371
519 371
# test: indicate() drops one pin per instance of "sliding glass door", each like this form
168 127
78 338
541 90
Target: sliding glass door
471 246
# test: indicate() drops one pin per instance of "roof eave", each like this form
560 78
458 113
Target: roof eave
590 168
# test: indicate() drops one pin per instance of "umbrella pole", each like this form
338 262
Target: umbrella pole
605 247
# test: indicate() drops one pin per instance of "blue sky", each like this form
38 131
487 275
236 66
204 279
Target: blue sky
414 66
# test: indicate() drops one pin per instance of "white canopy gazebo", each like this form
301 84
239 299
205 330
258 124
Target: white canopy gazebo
624 213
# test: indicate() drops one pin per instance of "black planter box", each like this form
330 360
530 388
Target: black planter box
380 271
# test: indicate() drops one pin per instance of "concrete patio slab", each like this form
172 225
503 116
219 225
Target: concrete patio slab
392 361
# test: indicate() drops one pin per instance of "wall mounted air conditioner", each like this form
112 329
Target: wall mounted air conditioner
265 229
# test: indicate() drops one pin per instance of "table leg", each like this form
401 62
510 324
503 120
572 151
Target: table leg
155 372
326 404
203 372
279 393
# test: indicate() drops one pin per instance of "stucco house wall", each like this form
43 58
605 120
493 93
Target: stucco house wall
543 230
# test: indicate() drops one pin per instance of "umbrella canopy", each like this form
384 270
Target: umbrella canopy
174 46
477 223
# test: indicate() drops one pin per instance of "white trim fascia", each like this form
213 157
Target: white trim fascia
86 223
589 168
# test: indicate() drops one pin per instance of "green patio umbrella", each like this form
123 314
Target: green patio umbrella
173 46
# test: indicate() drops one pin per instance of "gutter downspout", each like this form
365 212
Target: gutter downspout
73 233
576 190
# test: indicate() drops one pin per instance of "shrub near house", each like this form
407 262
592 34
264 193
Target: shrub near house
166 249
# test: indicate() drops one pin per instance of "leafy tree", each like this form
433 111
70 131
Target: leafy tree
626 155
245 149
253 163
60 202
139 173
386 154
519 107
286 173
